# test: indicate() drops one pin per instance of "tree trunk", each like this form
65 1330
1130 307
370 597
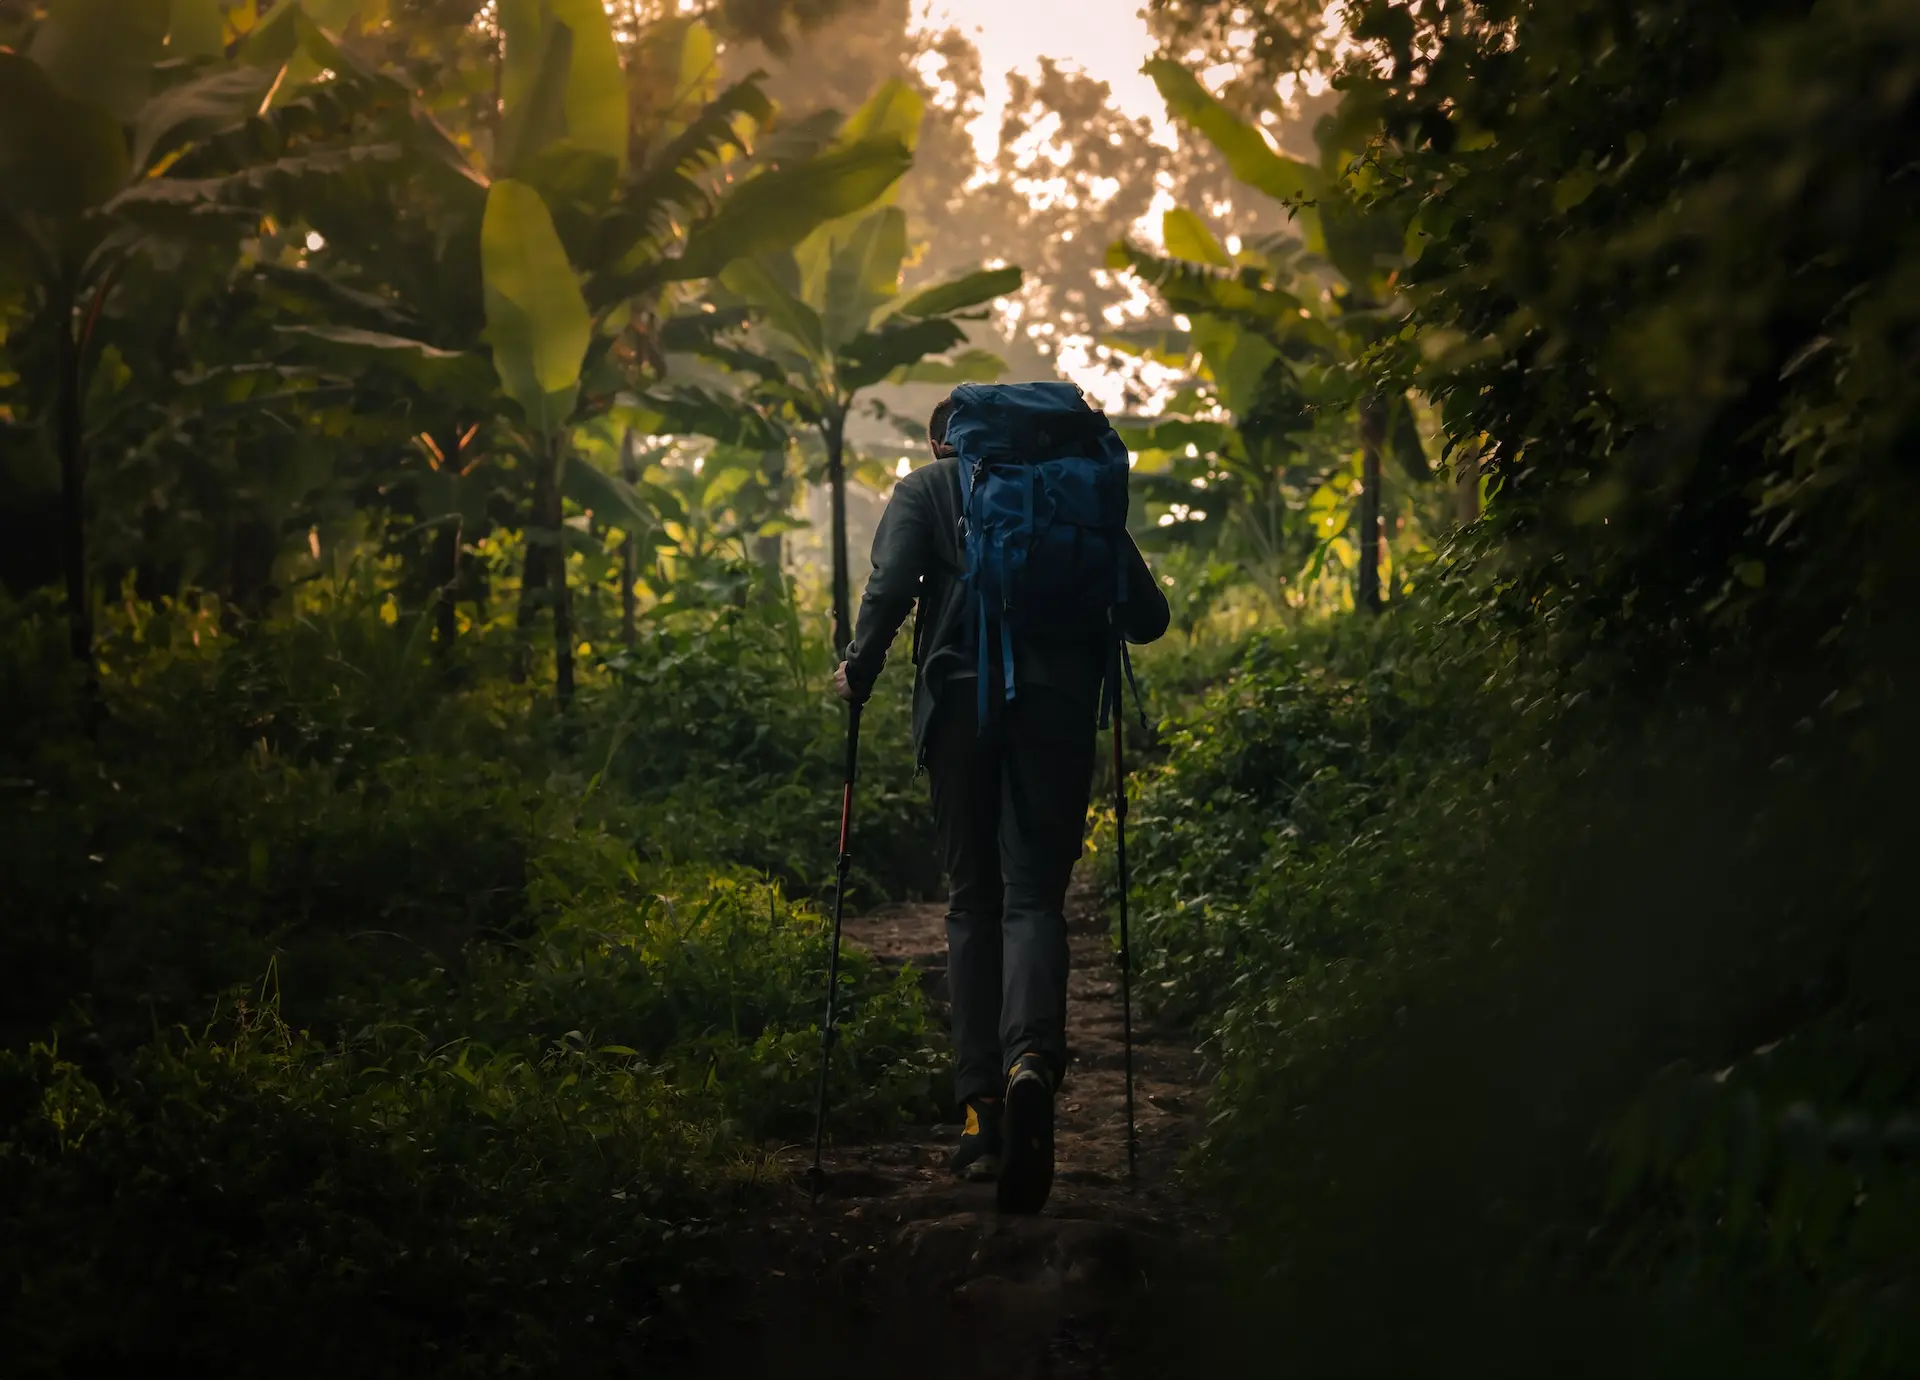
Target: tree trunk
445 562
70 437
629 549
446 574
834 432
1373 427
562 596
533 570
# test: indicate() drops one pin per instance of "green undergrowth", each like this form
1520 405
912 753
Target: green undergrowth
1548 1017
356 1011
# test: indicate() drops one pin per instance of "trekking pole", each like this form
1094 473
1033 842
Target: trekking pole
828 1033
1126 948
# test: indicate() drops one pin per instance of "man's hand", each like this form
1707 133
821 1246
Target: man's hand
840 686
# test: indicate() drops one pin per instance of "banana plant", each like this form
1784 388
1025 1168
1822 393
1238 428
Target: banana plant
832 321
1271 339
107 154
551 266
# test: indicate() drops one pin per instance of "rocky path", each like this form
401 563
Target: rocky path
901 1270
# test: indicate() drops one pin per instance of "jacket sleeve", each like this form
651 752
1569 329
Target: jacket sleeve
1147 615
903 553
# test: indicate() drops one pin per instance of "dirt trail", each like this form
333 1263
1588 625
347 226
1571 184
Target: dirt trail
902 1270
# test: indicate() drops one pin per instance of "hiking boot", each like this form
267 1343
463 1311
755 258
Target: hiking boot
1026 1153
977 1157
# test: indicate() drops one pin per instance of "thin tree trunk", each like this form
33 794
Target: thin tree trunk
1370 536
533 576
71 439
562 596
446 563
446 573
629 549
834 432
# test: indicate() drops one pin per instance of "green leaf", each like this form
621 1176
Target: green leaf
892 114
1188 237
58 156
535 114
1246 150
957 294
596 97
874 356
699 66
195 109
1196 288
863 274
969 366
1176 434
560 78
537 319
1163 345
781 207
199 29
610 497
688 411
755 282
453 372
103 51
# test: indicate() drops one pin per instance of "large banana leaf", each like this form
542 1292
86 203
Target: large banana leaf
1237 358
537 319
1246 150
969 366
1175 434
199 29
782 206
1187 237
535 114
897 345
636 231
447 373
894 112
596 84
561 78
58 155
103 51
863 275
610 498
754 281
196 108
1196 288
957 294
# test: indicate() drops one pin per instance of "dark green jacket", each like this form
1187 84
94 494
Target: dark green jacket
917 558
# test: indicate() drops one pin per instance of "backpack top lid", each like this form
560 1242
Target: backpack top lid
1027 422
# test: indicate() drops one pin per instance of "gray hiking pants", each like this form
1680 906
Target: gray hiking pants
1011 810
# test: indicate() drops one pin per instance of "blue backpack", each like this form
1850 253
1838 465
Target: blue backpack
1043 488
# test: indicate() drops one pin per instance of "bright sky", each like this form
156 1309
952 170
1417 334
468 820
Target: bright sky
1107 39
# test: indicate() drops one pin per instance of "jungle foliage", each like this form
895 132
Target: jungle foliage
420 785
1548 932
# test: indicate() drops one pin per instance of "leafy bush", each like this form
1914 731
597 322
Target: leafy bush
722 732
515 1045
1526 1009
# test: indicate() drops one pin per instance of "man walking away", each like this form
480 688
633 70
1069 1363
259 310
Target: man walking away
1009 797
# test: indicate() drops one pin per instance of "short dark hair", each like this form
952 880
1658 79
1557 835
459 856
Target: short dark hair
937 423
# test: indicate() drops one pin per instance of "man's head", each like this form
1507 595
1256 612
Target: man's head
937 427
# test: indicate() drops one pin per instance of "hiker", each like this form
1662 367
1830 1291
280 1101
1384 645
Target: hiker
1009 802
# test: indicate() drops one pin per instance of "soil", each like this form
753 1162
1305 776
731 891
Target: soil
900 1269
